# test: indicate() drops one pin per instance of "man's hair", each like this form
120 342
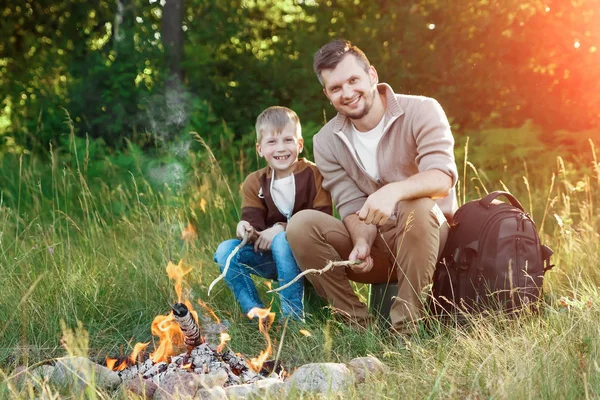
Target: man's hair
275 119
331 54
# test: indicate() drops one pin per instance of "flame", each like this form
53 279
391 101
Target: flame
170 336
210 311
189 234
224 339
131 360
265 319
121 366
137 349
110 363
305 332
176 272
187 366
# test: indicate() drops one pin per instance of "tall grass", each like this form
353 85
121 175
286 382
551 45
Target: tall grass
75 247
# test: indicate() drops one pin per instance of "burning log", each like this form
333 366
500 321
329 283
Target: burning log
192 336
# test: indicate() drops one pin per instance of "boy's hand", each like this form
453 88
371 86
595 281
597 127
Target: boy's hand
265 238
242 228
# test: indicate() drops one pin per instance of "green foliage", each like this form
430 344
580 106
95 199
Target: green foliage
490 64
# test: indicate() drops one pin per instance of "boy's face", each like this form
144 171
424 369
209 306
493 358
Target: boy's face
281 150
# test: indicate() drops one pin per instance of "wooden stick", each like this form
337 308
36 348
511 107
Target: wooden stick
228 261
329 266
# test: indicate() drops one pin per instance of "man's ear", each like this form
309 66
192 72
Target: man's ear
373 75
259 149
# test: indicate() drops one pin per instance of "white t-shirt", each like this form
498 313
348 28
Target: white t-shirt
283 192
365 144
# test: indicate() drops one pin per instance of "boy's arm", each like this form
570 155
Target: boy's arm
322 201
253 209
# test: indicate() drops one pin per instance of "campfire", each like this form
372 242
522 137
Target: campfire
184 364
182 346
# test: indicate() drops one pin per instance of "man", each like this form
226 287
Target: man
388 161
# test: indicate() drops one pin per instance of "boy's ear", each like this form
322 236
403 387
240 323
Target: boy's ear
300 145
259 149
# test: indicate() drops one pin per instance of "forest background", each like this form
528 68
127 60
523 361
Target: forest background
123 120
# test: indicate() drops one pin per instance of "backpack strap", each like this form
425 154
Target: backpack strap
463 256
546 254
487 200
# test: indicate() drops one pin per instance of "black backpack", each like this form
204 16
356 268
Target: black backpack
493 259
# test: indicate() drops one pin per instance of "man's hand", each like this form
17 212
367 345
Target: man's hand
265 238
245 227
361 252
380 205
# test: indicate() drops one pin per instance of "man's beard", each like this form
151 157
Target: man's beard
359 114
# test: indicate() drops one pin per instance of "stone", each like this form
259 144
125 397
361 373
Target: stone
271 388
367 368
144 388
19 377
214 378
178 385
42 373
216 393
79 372
323 378
236 392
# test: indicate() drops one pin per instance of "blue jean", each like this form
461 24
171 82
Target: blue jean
277 263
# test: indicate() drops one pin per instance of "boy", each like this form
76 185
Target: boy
271 196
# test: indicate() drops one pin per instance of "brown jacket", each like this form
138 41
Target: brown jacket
416 138
258 207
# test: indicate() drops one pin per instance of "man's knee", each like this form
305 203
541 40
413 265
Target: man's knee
418 212
299 224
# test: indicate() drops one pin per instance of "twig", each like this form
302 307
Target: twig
329 266
228 261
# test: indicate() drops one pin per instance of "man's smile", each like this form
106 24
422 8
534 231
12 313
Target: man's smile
353 101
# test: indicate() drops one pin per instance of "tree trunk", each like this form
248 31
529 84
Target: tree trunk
172 21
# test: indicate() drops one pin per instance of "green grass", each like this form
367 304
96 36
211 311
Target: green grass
78 249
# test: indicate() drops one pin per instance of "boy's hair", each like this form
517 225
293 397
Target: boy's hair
275 119
331 54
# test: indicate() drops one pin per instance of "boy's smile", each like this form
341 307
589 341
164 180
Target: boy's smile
281 150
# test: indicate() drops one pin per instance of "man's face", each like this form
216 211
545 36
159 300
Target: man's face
350 88
281 150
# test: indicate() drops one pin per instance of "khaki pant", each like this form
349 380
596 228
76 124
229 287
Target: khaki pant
405 250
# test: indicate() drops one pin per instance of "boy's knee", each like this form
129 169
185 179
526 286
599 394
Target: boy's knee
224 250
280 240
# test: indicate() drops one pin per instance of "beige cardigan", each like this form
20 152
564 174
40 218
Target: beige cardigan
416 138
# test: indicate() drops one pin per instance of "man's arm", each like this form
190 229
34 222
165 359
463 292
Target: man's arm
381 205
435 160
362 236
